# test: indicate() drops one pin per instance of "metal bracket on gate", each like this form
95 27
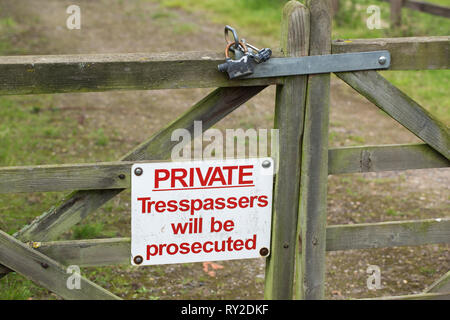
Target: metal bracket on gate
341 62
250 62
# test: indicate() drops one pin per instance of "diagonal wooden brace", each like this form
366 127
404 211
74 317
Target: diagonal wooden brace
400 107
46 272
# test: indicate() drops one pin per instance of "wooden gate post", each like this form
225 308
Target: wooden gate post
311 229
289 113
396 13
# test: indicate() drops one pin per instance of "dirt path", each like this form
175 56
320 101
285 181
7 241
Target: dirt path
130 117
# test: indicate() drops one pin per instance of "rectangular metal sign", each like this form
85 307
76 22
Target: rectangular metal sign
200 210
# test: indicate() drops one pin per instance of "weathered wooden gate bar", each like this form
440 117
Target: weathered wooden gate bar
400 107
147 71
116 175
45 271
408 53
384 158
388 234
101 252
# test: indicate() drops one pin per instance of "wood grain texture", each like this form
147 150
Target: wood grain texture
100 252
289 111
116 175
407 53
401 108
88 253
388 234
148 71
311 228
46 272
62 177
384 158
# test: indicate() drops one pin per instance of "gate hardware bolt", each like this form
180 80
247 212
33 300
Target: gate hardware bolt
264 251
266 164
138 171
138 260
382 60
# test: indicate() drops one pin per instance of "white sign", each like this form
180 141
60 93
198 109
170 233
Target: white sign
200 210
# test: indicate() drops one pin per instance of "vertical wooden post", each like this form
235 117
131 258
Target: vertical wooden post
310 251
396 13
289 115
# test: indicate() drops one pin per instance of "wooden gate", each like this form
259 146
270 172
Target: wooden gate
300 236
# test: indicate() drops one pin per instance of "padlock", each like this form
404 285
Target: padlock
239 67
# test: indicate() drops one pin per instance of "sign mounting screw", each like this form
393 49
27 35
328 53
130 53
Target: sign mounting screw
138 171
138 259
266 164
382 60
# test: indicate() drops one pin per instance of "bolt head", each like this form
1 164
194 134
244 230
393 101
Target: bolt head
266 164
263 251
138 171
138 259
382 60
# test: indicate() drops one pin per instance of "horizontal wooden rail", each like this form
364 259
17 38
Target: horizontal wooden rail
104 72
133 71
388 234
97 252
384 158
86 176
116 175
46 271
408 53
